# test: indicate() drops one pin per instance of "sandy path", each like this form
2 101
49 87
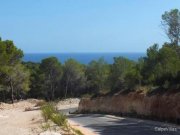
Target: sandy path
15 121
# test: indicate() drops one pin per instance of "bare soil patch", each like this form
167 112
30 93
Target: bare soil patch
24 117
14 120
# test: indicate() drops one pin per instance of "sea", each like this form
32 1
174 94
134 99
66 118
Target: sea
83 58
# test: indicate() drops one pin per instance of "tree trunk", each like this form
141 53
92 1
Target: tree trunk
140 82
66 90
4 97
12 92
67 82
52 94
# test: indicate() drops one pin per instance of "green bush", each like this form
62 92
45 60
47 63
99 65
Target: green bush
47 111
59 119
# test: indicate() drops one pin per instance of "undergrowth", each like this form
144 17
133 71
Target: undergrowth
50 112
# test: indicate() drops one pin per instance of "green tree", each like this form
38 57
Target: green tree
17 78
9 54
37 80
134 77
97 74
169 64
51 70
73 80
10 68
119 69
171 24
161 65
150 62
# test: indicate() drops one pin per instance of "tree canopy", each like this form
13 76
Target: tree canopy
171 25
13 74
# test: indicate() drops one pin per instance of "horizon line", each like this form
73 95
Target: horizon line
74 52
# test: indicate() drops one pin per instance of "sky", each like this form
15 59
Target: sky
53 26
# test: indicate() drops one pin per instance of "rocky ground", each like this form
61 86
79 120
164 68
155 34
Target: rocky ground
20 119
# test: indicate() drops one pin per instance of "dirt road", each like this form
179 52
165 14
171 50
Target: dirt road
14 120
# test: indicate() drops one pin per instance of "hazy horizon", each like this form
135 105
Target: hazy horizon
83 58
80 52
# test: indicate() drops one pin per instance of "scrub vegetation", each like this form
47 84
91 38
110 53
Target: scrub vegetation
51 114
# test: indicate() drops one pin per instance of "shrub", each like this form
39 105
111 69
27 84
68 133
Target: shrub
59 119
47 111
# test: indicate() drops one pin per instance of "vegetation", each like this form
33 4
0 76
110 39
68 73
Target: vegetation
14 78
59 119
50 79
51 72
171 25
47 111
122 70
77 132
97 73
50 113
73 80
46 126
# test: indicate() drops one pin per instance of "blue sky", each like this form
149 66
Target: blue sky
84 25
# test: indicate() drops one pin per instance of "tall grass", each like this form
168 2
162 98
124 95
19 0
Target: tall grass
49 112
59 119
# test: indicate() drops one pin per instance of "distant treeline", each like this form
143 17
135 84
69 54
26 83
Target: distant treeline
50 79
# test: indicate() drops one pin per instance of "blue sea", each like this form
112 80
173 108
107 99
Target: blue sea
83 58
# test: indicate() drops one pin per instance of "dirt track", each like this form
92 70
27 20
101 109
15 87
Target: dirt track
14 120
